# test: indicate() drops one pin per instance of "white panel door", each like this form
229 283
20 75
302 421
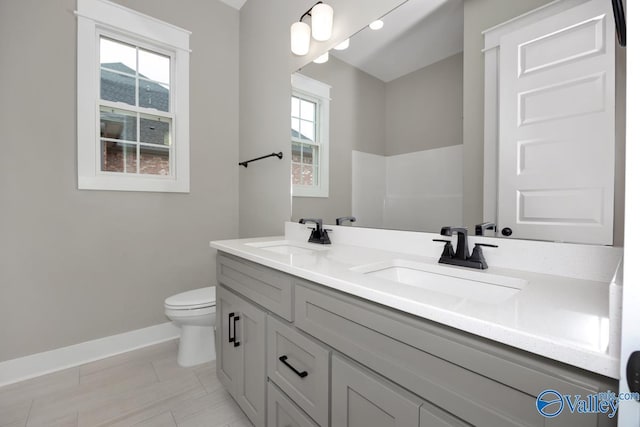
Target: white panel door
629 413
557 136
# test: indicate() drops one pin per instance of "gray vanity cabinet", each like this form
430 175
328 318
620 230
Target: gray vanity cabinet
352 363
240 344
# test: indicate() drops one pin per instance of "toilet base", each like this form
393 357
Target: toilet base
197 345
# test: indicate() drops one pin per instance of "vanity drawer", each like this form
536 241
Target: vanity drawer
423 358
282 412
267 287
300 367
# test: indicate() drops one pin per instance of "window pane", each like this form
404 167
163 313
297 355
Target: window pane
308 154
295 152
154 160
153 95
295 107
117 56
307 129
296 171
295 128
118 157
154 66
307 175
118 124
155 130
118 88
308 110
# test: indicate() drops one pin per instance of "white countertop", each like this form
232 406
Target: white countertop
562 318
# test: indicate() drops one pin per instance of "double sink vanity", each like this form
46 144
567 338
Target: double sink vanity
372 330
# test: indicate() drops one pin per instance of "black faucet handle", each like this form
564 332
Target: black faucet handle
486 245
447 252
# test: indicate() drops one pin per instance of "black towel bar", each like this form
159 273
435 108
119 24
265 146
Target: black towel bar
246 162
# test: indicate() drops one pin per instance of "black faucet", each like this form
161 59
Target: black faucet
481 228
461 256
342 219
462 249
318 234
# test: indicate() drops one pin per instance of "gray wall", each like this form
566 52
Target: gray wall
479 15
266 64
424 108
80 265
356 123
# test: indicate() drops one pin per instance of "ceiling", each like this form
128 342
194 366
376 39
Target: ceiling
416 34
236 4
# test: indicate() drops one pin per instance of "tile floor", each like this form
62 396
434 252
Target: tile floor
144 388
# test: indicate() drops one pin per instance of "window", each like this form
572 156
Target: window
133 101
309 137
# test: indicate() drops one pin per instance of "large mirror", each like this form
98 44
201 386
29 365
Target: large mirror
407 129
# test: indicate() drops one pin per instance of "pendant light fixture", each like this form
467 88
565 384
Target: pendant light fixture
321 28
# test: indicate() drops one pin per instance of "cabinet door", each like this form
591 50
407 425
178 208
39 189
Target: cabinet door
362 399
282 412
226 354
252 378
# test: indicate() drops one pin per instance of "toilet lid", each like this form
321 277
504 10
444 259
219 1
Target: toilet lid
197 298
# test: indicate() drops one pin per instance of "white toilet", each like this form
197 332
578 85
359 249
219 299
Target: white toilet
195 313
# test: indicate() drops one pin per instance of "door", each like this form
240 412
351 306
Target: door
360 399
557 135
629 412
226 353
252 376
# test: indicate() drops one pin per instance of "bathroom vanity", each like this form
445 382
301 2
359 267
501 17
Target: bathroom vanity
372 331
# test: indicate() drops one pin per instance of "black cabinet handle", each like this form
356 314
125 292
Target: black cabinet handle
302 374
235 343
507 232
231 338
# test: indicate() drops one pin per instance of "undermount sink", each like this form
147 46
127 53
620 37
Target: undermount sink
286 247
473 285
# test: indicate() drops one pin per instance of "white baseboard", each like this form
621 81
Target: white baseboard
38 364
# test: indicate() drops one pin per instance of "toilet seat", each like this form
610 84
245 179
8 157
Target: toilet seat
191 300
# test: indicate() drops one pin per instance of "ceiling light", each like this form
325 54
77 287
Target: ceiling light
344 45
376 25
321 28
300 38
322 58
321 22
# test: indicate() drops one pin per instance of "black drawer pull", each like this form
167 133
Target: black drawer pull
235 343
231 338
302 374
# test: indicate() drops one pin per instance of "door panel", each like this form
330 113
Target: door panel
226 353
557 127
361 400
251 391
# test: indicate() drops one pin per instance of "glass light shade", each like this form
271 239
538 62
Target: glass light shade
300 38
322 58
344 45
321 22
376 25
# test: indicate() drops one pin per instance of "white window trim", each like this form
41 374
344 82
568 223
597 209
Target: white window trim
101 17
307 86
